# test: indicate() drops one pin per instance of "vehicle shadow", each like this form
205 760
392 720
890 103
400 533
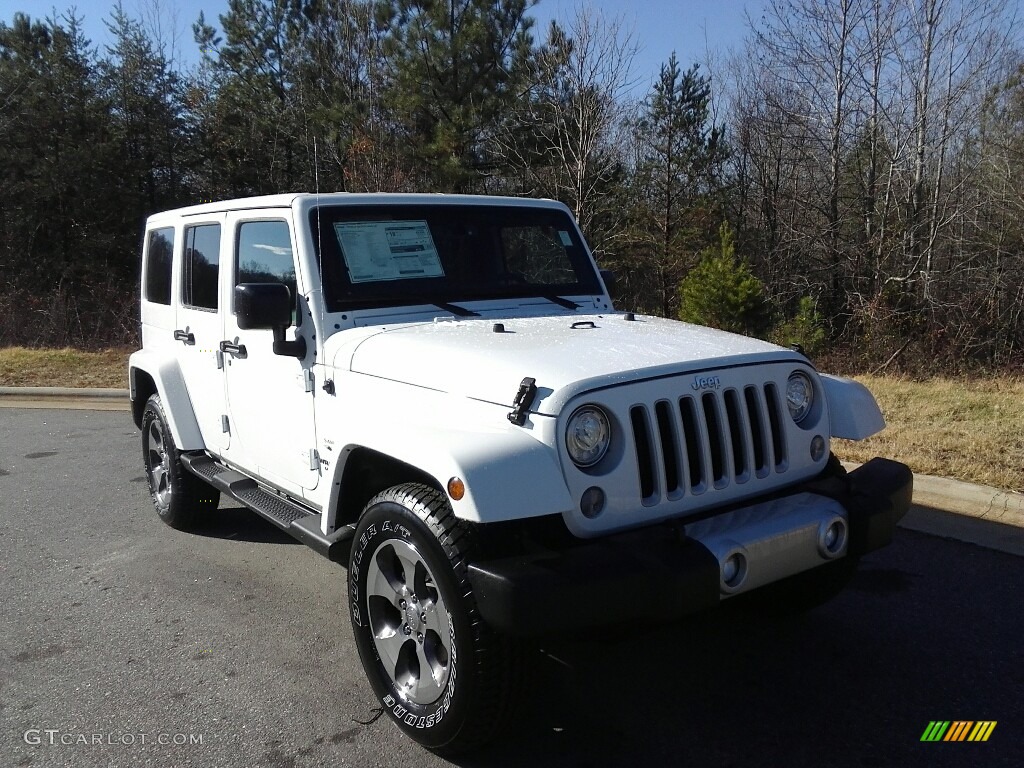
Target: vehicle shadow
852 683
239 523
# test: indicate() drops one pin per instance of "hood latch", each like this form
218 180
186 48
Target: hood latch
524 399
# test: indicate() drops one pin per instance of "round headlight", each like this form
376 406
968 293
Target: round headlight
799 395
588 434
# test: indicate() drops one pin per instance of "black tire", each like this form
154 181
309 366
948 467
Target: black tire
178 495
449 694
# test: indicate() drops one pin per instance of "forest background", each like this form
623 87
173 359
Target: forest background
850 179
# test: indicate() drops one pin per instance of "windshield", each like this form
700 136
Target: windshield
421 254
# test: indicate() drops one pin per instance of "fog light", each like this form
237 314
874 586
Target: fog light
817 448
734 569
456 488
832 538
592 502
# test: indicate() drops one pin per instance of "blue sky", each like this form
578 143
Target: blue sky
689 27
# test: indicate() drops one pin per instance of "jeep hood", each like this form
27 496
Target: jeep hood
565 354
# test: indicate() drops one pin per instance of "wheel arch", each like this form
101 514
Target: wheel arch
149 374
367 472
507 475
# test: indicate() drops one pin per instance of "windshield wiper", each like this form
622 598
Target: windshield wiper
560 301
455 309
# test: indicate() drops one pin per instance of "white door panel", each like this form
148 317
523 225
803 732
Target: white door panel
199 327
271 413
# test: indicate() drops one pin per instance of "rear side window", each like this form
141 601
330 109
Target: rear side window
201 266
159 257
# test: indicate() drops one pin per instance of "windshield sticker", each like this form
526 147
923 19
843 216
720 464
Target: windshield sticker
388 250
566 240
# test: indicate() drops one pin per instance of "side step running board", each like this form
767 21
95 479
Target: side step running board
288 515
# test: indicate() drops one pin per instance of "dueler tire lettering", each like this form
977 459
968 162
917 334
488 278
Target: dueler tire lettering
408 583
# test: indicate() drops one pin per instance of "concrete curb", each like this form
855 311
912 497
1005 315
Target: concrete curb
942 507
35 393
976 514
78 399
979 501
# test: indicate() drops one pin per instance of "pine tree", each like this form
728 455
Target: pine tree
145 102
51 166
678 175
722 292
456 68
251 121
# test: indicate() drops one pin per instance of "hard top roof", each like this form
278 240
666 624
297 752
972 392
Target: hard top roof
307 200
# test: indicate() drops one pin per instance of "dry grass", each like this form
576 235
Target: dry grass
20 367
966 429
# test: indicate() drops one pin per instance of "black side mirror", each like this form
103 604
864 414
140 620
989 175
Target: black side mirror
609 279
268 306
263 306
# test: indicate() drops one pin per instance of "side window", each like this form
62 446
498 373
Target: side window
200 266
265 254
159 257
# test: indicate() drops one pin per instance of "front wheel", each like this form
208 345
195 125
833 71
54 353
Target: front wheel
439 672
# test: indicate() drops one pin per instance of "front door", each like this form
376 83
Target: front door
270 398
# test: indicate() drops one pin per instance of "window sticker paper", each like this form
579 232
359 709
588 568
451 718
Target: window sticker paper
388 250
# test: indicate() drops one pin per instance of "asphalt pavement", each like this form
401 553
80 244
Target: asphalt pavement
126 643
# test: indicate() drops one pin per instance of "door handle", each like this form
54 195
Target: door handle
188 338
238 350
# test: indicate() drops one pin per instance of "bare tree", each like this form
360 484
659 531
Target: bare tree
566 140
951 54
810 49
853 125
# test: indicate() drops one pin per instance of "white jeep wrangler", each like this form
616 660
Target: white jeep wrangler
437 390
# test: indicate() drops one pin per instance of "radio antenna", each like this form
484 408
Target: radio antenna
319 241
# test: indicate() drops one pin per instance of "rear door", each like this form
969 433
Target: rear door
199 327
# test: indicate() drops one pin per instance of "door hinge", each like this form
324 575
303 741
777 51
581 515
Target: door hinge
225 425
314 460
307 379
220 359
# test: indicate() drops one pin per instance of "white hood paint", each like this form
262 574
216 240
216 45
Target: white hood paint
466 357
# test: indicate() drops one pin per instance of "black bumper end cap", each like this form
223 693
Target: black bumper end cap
881 492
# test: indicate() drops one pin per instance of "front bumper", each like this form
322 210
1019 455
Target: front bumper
671 570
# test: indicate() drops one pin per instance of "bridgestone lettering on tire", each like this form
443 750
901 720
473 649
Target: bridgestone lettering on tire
179 496
439 672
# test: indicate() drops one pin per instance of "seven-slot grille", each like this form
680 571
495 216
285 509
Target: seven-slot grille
692 444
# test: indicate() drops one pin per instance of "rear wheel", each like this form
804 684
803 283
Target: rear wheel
440 673
178 495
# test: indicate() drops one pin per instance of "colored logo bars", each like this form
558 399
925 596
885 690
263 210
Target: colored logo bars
958 730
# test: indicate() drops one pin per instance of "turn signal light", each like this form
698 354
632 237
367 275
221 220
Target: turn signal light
456 488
